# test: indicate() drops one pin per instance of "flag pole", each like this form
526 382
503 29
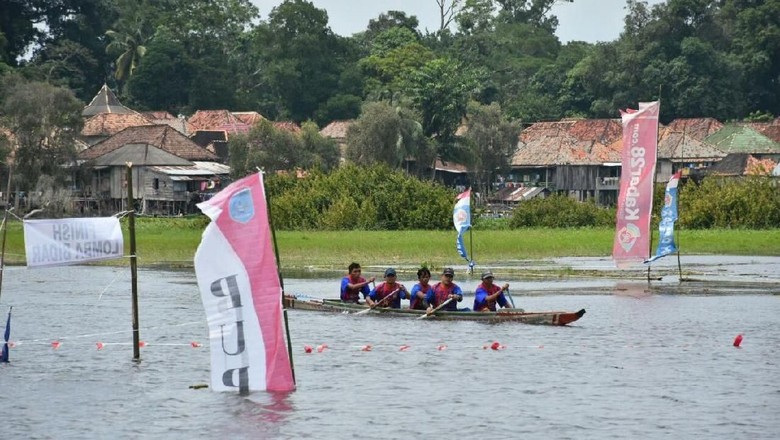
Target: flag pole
281 280
5 228
471 238
133 260
655 174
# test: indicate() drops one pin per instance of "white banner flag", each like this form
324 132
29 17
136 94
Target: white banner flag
58 242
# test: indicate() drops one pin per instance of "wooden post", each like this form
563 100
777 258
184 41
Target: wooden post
281 279
133 260
5 228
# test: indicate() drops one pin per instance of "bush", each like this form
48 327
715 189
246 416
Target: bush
353 197
560 211
751 202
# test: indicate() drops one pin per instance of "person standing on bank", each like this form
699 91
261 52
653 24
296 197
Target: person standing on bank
353 285
443 291
420 290
488 295
379 294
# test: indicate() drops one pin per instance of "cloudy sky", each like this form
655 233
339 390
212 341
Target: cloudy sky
587 20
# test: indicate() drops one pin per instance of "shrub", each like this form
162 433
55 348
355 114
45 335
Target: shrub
560 211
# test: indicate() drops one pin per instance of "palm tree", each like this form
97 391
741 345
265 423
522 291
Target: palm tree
130 48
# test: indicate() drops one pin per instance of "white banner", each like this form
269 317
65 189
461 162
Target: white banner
59 242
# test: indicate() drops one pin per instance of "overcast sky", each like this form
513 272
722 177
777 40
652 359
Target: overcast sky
586 20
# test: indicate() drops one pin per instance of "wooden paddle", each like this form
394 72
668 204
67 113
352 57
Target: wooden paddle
441 306
512 301
376 304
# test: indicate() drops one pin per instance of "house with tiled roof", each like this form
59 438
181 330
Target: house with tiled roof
576 157
679 150
743 164
161 117
695 128
735 138
103 125
337 130
171 173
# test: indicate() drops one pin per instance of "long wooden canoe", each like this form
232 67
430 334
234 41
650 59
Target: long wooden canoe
303 302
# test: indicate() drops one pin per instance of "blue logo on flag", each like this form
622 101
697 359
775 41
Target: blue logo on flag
241 208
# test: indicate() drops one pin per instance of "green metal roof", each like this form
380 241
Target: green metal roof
742 139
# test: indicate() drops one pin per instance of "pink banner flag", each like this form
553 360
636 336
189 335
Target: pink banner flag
241 292
635 202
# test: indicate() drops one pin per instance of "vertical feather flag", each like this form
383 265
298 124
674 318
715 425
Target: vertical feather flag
241 292
666 244
7 335
635 202
461 218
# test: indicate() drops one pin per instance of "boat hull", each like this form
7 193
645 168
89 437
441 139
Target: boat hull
504 315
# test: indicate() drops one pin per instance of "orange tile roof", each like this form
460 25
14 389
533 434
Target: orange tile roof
337 129
292 127
161 136
106 124
697 128
231 122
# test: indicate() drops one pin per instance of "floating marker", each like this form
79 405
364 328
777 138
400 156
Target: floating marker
321 348
11 344
404 348
307 348
367 347
441 347
497 346
55 345
194 344
738 340
99 345
141 344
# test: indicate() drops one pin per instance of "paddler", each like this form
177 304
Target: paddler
390 287
444 290
488 295
353 285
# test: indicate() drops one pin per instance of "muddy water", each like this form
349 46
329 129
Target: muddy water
644 362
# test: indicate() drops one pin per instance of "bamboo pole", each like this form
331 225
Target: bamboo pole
133 261
5 229
281 280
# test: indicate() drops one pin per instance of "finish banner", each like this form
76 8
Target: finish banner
59 242
241 292
635 202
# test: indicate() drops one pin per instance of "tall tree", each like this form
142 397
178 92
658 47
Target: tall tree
44 121
492 141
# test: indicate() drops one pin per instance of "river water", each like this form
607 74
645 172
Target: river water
642 363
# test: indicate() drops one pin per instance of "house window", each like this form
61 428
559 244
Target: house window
156 183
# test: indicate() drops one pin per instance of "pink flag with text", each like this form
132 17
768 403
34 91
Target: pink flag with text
635 201
241 292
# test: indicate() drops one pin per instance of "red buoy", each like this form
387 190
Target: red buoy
321 348
495 346
366 348
738 340
99 345
307 348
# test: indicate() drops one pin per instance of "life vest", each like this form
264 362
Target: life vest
383 290
352 295
415 303
491 305
440 294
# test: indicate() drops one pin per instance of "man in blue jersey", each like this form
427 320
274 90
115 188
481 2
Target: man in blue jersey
353 285
488 295
420 290
443 291
390 288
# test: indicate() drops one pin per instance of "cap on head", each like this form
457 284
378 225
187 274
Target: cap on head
390 272
448 271
487 274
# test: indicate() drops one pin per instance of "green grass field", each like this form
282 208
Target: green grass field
172 242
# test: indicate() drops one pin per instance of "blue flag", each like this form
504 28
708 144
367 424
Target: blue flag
461 218
4 353
666 244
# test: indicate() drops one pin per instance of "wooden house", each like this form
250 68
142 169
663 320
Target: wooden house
171 173
580 158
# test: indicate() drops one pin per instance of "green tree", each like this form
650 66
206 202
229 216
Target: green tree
440 91
376 136
44 121
492 140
